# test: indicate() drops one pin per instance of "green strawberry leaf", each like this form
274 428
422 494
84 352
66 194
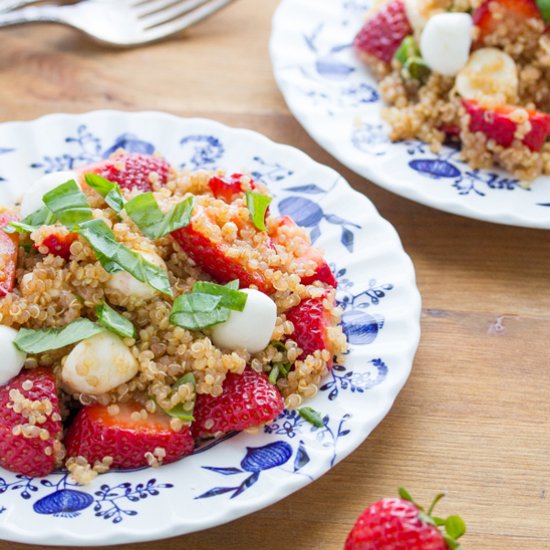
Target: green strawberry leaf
452 543
455 526
405 495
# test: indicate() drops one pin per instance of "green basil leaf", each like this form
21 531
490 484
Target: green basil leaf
109 190
231 299
279 370
274 374
113 256
544 7
257 206
114 321
178 411
147 215
32 222
198 311
407 48
233 285
38 341
312 416
69 204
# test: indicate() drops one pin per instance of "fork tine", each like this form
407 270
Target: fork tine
170 13
144 7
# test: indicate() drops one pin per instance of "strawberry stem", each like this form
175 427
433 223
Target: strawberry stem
434 502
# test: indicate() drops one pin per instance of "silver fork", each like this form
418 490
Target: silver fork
121 23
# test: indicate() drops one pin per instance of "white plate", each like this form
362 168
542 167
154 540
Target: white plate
247 472
337 101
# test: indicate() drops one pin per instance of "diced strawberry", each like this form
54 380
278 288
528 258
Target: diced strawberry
226 188
59 244
95 434
28 435
311 319
213 256
131 170
384 31
515 11
497 124
8 255
248 400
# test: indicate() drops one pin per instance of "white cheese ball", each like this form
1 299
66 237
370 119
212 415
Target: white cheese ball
489 73
128 285
32 199
12 359
98 364
251 328
446 41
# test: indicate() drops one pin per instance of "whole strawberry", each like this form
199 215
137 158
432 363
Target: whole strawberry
401 524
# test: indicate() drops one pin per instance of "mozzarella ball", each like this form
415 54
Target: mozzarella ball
489 73
128 285
251 328
98 364
12 359
32 199
445 42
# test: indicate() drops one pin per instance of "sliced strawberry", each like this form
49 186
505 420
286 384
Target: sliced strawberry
248 400
30 424
384 31
131 171
490 15
8 255
214 256
58 242
497 124
311 319
95 434
227 188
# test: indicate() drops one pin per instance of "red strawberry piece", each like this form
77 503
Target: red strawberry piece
59 244
213 256
26 448
226 188
515 11
384 31
400 524
311 319
131 170
95 434
322 273
498 124
248 400
8 255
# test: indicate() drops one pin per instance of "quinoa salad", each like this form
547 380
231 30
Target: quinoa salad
475 73
145 309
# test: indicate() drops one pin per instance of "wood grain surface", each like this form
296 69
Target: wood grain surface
474 418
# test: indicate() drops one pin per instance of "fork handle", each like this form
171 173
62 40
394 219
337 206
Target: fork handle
37 14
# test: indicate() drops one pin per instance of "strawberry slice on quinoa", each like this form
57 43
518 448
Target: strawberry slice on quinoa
132 170
503 124
8 255
30 424
248 400
55 240
227 188
122 433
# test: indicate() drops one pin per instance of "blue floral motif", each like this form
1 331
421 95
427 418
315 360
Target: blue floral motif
4 151
288 423
24 484
202 151
269 172
371 139
256 460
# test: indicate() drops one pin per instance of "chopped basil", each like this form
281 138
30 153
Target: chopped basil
279 370
544 7
38 341
147 215
257 206
233 285
198 311
407 49
109 190
231 299
312 416
32 222
415 68
114 256
178 411
69 204
114 321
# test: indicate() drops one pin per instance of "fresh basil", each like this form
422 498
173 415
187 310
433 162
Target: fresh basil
312 416
544 7
178 411
153 222
279 370
198 311
109 190
68 204
233 285
38 341
114 321
32 222
230 298
114 256
407 49
257 206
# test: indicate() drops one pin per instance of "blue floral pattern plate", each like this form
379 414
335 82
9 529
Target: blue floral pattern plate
337 101
241 473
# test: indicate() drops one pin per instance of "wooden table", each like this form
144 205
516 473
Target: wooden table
474 418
